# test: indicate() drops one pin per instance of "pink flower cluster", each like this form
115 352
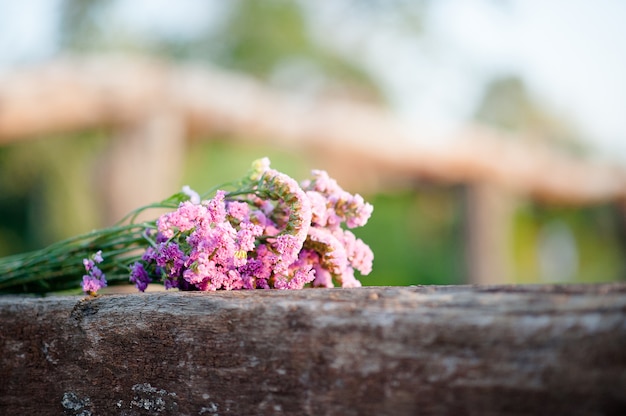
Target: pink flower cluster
271 233
94 280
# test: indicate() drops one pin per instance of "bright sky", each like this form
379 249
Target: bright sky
571 53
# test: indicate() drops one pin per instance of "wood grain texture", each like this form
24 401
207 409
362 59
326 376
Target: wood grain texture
457 350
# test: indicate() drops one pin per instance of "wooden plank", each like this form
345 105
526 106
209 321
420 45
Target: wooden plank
558 350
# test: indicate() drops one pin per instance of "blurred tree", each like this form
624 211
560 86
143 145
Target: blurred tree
508 104
270 39
82 24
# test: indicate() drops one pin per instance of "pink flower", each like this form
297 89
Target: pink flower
319 211
287 247
92 284
355 210
200 269
216 208
281 187
332 253
233 282
323 278
348 279
342 206
238 210
94 280
270 234
300 278
359 254
185 218
322 183
246 236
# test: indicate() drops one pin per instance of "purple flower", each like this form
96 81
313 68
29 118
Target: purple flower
98 256
94 280
149 255
170 258
170 283
259 269
88 263
139 276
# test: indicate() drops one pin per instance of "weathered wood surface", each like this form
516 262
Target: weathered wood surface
557 350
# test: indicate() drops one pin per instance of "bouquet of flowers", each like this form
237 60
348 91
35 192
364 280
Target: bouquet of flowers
269 232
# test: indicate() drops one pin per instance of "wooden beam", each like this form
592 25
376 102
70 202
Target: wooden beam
72 94
557 350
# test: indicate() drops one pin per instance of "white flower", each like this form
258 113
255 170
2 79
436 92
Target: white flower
194 198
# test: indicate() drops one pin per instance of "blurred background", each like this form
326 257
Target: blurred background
488 134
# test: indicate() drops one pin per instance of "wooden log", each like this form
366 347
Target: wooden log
558 350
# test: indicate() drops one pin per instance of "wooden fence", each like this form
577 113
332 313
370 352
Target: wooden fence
133 94
464 350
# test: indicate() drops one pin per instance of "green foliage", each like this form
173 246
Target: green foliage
416 238
598 237
216 161
47 190
259 37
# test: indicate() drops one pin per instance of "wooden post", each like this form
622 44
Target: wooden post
488 222
143 163
558 350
